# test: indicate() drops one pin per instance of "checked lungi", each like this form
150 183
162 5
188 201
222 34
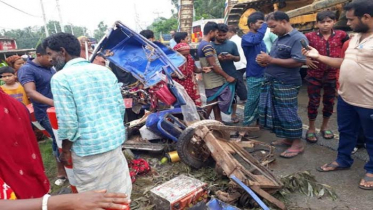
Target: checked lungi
108 171
254 85
224 94
278 108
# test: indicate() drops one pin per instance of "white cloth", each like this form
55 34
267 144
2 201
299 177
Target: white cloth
242 63
172 43
108 171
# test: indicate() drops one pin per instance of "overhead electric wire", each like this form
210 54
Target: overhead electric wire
19 9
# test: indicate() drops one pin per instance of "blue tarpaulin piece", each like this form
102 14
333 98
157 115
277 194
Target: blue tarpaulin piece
215 204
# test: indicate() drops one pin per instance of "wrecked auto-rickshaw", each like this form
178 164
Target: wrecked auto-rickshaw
197 140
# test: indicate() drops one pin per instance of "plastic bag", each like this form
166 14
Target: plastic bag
189 110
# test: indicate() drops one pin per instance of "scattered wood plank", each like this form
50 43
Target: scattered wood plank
268 197
222 157
234 128
254 162
258 177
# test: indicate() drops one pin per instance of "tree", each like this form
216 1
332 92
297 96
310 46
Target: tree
209 9
163 25
100 32
26 38
30 37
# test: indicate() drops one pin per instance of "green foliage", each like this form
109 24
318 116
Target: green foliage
163 25
206 9
209 9
26 38
306 184
29 37
3 63
100 32
50 165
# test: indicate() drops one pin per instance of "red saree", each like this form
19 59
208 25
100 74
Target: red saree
21 165
189 82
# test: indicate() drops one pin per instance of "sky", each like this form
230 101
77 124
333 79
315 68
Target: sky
137 14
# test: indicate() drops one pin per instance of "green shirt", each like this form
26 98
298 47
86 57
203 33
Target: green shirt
269 39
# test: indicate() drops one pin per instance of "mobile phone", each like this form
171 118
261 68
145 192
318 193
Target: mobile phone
224 53
304 44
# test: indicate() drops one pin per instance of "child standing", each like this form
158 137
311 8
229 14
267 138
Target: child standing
328 42
11 86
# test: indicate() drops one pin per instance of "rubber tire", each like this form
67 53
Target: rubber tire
184 139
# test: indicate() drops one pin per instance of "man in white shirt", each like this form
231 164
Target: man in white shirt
172 41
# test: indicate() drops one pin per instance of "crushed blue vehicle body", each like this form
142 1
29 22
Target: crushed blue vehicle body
135 54
215 204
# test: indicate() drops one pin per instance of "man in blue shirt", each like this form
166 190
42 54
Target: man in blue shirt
35 76
90 113
227 52
253 45
278 104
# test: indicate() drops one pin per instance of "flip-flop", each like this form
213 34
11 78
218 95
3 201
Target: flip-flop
280 143
327 132
235 119
60 181
367 179
332 165
296 152
311 135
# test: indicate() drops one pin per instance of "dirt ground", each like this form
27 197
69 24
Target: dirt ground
344 183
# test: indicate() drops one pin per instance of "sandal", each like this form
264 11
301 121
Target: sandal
335 167
235 119
295 152
367 179
281 142
60 181
327 134
311 137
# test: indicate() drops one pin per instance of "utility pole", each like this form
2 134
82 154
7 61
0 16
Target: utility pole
45 20
72 31
59 13
157 13
55 27
137 19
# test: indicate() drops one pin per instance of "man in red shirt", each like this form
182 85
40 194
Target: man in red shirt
328 42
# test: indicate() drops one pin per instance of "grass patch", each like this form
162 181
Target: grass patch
50 165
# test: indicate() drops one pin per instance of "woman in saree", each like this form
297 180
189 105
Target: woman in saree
188 70
21 165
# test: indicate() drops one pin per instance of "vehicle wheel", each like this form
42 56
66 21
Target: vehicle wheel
192 151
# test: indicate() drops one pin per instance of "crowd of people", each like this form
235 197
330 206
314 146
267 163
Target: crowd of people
271 55
90 108
90 112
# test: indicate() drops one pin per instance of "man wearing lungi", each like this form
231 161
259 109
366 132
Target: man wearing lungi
278 103
214 79
253 45
228 53
90 114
